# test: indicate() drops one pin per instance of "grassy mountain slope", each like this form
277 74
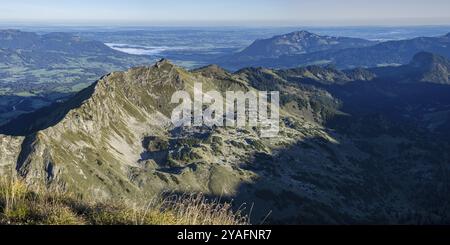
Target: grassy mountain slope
339 157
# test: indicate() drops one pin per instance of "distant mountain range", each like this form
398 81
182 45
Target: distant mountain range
53 42
304 48
361 146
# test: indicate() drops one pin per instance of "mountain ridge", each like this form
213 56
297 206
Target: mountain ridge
299 42
115 140
57 41
387 53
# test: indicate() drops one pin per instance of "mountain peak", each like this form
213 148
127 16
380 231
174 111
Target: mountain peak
296 43
59 35
303 33
163 62
431 67
211 70
423 59
298 36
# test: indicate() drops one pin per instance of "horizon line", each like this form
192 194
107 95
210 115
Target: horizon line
231 23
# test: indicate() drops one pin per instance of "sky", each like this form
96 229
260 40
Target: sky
227 12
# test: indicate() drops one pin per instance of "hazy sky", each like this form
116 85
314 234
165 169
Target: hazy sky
228 12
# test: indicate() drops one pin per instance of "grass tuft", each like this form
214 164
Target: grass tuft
21 205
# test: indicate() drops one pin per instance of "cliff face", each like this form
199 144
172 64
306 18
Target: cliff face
10 149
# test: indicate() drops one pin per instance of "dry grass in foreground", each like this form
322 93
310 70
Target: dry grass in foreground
20 205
